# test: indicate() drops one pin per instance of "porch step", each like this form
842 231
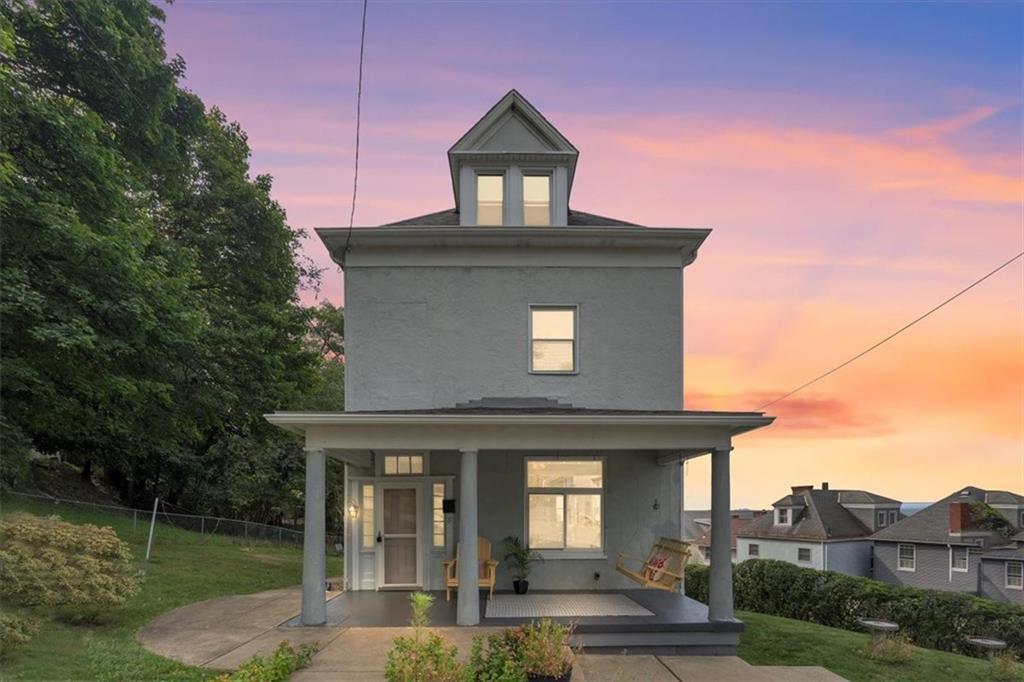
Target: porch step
718 668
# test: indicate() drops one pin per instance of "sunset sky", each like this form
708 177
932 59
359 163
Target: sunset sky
858 164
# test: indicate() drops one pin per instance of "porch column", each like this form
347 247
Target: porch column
314 554
720 582
468 611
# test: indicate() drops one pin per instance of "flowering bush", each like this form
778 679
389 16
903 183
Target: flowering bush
81 569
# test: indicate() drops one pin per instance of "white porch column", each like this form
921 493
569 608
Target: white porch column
314 554
468 611
720 582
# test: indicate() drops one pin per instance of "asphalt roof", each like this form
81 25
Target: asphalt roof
1005 553
450 218
822 518
931 524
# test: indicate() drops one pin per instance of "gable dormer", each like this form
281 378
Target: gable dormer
513 168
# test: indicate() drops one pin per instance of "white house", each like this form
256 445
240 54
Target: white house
518 362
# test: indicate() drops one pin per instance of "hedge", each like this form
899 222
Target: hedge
930 618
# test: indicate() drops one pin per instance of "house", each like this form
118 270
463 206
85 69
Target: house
697 525
514 367
825 528
969 541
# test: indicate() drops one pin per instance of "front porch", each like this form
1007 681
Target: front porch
677 624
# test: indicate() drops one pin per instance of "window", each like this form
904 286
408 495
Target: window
892 517
882 516
753 550
438 509
537 200
490 199
1021 524
907 559
403 465
1015 575
553 339
564 501
368 530
803 554
783 516
958 559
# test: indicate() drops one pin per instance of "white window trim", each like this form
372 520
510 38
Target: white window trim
952 565
1006 575
778 516
566 553
575 340
754 550
893 516
810 555
496 171
379 466
549 173
899 566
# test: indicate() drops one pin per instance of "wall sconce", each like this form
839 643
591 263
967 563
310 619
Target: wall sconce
353 510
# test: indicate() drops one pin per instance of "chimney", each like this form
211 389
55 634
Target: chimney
824 485
959 517
801 489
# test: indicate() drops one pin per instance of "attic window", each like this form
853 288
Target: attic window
537 200
490 195
782 516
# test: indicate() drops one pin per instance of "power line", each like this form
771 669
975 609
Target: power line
359 107
891 336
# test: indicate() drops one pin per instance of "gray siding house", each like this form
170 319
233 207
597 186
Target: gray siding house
946 546
514 367
825 529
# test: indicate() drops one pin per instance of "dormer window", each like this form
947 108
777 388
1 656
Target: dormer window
490 199
537 200
782 516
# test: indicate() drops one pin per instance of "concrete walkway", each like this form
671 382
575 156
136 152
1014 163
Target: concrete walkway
222 633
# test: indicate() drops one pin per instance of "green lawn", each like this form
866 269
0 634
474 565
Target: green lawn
770 640
185 568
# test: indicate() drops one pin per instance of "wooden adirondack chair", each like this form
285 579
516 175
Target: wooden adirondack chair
487 573
663 567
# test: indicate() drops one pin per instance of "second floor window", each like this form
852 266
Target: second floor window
537 200
553 339
490 199
882 516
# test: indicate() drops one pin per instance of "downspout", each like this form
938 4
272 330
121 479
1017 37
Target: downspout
950 548
824 556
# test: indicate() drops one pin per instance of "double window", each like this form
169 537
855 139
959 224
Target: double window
490 199
564 504
907 557
553 339
1015 575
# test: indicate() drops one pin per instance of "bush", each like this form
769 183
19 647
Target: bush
15 631
1006 668
545 648
277 667
930 618
500 661
426 656
83 569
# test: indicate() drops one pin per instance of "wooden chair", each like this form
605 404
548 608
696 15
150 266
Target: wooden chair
487 573
663 567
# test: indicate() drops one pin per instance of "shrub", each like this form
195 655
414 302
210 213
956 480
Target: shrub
1006 668
83 569
696 582
895 649
500 661
15 631
277 667
930 618
545 648
426 656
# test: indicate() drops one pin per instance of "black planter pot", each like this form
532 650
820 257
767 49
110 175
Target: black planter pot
520 587
544 678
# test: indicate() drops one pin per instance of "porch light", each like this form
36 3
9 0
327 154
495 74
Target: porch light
353 511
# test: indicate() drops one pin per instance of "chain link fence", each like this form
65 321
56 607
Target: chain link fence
181 528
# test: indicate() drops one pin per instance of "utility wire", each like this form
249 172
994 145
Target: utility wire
359 106
891 336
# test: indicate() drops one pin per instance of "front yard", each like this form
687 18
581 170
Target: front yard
188 568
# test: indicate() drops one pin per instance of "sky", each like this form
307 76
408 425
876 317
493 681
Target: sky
858 163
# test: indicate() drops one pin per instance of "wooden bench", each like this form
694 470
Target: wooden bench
662 569
487 572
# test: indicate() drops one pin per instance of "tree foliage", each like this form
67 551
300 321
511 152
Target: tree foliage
149 283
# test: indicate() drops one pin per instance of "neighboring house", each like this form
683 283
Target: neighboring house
946 546
826 529
513 367
698 529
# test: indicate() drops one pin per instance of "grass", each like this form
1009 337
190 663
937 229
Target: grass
184 568
770 640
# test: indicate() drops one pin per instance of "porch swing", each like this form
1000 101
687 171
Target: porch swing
663 567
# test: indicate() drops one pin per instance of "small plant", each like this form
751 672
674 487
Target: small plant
894 649
500 661
520 560
426 656
545 650
1006 668
277 667
15 631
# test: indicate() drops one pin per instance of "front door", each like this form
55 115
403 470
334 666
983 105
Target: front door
399 536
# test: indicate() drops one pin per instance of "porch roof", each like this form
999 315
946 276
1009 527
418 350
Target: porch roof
680 433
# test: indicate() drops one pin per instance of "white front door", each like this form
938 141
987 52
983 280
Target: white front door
398 546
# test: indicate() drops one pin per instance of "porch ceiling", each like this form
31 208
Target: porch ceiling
685 432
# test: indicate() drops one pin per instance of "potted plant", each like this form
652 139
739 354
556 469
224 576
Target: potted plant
545 652
520 560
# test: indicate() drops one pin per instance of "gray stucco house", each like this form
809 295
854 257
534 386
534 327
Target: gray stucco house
514 367
946 546
826 529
